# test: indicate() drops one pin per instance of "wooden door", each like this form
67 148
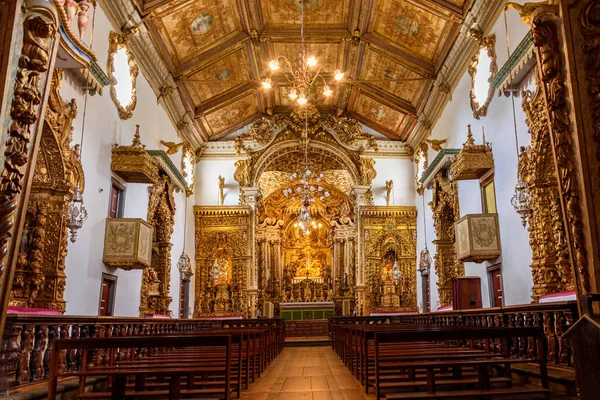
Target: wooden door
114 202
496 287
106 297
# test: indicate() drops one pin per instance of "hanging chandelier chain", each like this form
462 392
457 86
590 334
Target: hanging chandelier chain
512 97
185 221
424 223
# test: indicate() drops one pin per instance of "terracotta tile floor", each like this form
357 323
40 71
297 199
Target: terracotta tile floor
306 373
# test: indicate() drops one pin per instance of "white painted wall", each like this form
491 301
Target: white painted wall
399 170
498 125
207 182
103 127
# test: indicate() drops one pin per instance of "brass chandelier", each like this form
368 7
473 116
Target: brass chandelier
305 76
310 187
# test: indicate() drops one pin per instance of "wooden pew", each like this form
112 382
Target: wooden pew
406 360
118 372
441 362
153 362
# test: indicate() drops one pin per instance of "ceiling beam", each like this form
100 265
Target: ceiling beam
225 98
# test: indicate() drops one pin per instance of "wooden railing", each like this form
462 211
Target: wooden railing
554 318
27 340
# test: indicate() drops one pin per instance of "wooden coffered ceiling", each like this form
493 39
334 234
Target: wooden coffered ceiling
218 50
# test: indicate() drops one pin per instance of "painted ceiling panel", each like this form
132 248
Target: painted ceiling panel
412 27
191 27
387 74
232 114
389 50
317 12
217 78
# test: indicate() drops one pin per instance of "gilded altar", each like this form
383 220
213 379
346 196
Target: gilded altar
388 250
223 259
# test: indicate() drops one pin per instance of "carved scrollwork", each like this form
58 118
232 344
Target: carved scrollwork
385 231
486 44
32 66
161 215
546 229
552 78
222 244
445 214
118 42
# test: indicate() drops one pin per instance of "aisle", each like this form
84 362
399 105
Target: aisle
306 373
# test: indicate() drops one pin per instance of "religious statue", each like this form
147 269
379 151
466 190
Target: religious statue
221 187
388 191
221 269
387 272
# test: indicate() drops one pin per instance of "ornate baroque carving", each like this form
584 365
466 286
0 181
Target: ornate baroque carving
486 43
550 268
473 161
40 278
161 215
222 240
383 230
552 78
33 65
445 213
116 42
132 163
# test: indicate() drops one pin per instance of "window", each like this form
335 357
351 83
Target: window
483 70
107 295
117 199
488 193
489 197
188 163
122 73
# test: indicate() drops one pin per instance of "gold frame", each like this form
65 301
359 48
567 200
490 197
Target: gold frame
420 152
119 41
488 43
187 151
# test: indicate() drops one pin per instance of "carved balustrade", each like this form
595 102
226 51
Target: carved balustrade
27 341
554 319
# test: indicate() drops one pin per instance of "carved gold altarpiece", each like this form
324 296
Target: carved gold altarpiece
550 265
223 257
445 214
156 279
389 235
40 277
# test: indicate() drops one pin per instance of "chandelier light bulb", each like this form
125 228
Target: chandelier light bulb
293 94
302 99
327 91
267 83
338 75
274 65
311 61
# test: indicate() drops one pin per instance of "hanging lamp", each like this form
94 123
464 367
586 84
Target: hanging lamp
521 199
184 265
424 257
74 212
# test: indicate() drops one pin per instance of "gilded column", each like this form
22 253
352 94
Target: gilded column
30 83
250 195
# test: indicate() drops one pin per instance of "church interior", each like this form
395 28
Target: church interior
299 199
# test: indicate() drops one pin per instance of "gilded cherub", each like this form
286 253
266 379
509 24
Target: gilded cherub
172 147
435 144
